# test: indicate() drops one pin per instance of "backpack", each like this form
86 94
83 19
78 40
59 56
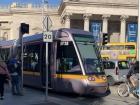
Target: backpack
12 68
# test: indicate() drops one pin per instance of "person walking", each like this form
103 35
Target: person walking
4 74
14 69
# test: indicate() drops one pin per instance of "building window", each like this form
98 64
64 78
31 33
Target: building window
132 32
96 30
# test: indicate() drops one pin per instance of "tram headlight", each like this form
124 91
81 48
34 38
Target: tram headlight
104 77
90 78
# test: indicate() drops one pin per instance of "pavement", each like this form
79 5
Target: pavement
34 97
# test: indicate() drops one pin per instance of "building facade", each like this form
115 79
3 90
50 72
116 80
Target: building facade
118 18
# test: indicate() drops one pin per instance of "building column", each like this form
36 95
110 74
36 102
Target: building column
123 28
86 21
67 20
105 23
11 30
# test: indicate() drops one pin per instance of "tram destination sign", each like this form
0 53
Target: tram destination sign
47 37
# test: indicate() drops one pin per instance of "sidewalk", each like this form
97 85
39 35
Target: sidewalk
32 97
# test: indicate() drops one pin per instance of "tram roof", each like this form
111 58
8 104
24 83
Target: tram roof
30 38
39 37
7 43
76 31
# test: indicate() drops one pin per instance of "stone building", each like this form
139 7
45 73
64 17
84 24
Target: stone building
118 18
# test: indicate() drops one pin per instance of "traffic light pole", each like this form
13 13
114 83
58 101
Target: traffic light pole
21 60
22 63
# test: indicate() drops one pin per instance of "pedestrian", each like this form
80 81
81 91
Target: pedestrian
4 75
14 69
133 74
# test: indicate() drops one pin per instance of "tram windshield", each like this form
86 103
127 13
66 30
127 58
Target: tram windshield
89 54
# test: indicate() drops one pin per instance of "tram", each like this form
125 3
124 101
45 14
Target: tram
74 62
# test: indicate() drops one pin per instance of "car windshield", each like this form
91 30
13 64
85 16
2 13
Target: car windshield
108 65
90 54
123 65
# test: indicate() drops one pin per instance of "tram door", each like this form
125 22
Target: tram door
66 61
32 64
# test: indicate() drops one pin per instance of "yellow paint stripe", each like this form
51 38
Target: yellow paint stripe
28 72
69 76
31 73
37 73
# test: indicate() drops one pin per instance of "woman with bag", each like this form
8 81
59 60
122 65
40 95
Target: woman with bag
4 75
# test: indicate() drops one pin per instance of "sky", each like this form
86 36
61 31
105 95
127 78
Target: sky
28 1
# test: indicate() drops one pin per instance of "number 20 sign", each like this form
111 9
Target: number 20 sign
47 37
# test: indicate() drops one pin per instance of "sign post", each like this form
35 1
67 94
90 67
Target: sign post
47 37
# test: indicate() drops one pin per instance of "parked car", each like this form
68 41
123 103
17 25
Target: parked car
115 70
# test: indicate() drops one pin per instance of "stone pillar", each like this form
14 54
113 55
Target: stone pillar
67 20
123 28
86 21
105 23
30 5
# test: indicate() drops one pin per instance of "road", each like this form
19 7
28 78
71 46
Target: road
36 97
112 99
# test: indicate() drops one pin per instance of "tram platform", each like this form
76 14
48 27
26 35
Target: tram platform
32 97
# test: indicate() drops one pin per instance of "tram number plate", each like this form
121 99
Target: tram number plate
47 37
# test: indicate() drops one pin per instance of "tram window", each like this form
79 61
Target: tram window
118 47
123 65
67 59
31 57
108 65
105 47
4 54
128 47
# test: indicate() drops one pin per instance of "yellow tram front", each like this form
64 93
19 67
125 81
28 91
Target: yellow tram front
79 66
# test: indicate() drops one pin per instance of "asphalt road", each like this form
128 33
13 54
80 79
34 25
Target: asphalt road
112 99
36 97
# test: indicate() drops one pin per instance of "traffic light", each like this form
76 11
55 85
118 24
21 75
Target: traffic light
24 28
105 38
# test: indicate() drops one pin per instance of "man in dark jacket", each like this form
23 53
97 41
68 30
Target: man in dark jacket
14 69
